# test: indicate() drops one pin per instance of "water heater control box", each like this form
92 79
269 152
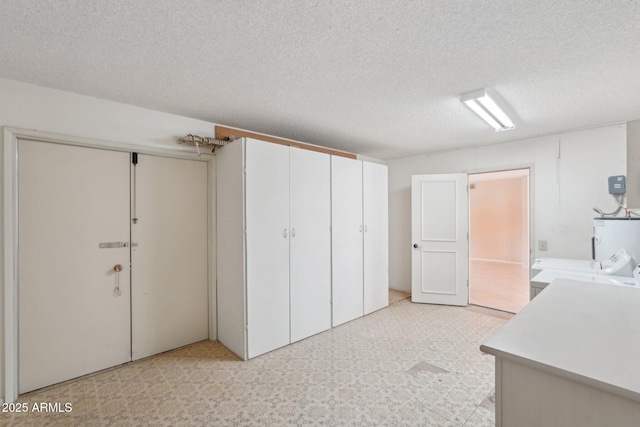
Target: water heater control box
617 184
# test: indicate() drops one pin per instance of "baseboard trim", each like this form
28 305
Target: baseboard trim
496 261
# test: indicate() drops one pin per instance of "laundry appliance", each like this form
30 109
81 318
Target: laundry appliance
612 234
547 276
620 263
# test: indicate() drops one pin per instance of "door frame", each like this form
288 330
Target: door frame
10 137
531 167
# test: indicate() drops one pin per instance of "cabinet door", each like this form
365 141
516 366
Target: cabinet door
310 273
267 251
376 236
346 239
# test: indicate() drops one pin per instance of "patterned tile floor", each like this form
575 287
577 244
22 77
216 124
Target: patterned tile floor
405 365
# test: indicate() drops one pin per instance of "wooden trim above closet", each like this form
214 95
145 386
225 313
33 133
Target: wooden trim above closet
224 133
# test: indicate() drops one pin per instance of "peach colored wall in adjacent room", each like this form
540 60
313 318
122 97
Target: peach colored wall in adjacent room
497 220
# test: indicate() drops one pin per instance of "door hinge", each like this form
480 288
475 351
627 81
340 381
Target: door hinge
134 158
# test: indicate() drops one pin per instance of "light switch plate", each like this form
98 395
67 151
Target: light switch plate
542 245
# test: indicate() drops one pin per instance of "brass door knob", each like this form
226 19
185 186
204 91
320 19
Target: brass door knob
117 268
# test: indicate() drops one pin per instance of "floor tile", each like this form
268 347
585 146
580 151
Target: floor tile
355 374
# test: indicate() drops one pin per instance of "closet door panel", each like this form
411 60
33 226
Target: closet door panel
169 287
71 318
376 236
267 237
230 265
310 272
347 229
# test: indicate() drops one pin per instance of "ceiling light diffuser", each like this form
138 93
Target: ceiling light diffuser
484 106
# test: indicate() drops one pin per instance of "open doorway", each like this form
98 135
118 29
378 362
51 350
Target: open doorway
499 239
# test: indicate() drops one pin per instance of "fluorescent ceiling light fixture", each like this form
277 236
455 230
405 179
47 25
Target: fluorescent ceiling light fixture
484 106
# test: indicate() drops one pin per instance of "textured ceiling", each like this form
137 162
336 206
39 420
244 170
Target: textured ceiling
380 78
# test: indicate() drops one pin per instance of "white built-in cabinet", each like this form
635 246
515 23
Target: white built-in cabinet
346 244
267 250
360 257
274 237
375 201
310 244
302 243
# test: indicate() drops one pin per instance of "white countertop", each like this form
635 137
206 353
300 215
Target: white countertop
587 332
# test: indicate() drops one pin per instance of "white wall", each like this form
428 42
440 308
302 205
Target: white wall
497 219
568 177
48 110
35 107
633 164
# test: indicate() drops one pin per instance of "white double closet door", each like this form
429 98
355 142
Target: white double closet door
288 218
76 314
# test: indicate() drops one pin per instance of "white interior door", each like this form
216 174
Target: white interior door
169 295
71 319
439 230
346 239
267 236
310 272
376 236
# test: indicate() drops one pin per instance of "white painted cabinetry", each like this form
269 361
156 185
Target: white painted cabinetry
376 236
273 248
346 240
267 251
360 257
570 358
310 244
301 236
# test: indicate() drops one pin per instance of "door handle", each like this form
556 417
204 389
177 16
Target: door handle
284 234
416 246
116 290
109 245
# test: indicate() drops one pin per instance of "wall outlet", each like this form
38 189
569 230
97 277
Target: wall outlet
542 245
